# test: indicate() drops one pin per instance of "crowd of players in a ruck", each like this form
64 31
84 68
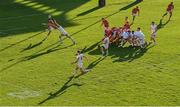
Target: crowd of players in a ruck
124 34
115 35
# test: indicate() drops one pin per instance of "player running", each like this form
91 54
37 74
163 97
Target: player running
52 24
105 45
135 12
169 10
153 32
79 62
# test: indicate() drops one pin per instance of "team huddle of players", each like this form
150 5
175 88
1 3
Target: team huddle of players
122 35
115 35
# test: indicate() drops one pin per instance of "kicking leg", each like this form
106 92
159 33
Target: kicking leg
60 38
67 35
47 35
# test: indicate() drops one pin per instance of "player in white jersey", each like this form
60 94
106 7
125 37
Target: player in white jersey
52 24
105 45
64 33
126 38
139 34
153 32
79 62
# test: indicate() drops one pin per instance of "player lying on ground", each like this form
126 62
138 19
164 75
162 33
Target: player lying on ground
169 10
52 24
79 63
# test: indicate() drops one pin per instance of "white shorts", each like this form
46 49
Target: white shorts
134 14
105 46
63 32
80 65
153 35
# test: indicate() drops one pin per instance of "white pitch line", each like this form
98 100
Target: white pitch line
16 17
22 92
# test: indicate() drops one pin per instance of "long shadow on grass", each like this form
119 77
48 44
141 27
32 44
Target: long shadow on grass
124 8
92 65
35 55
161 24
130 5
89 11
30 46
27 11
14 44
123 54
85 49
61 91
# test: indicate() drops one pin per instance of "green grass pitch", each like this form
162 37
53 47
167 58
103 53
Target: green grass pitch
33 72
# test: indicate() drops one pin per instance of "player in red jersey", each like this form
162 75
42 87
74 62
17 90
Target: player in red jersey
105 23
51 24
169 10
126 19
126 26
135 12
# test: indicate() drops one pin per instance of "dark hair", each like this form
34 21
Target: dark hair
78 51
139 28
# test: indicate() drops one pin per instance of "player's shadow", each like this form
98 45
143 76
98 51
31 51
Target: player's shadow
14 44
95 63
30 46
61 91
31 20
85 49
123 8
56 48
134 53
130 5
92 65
89 11
123 54
36 55
161 24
